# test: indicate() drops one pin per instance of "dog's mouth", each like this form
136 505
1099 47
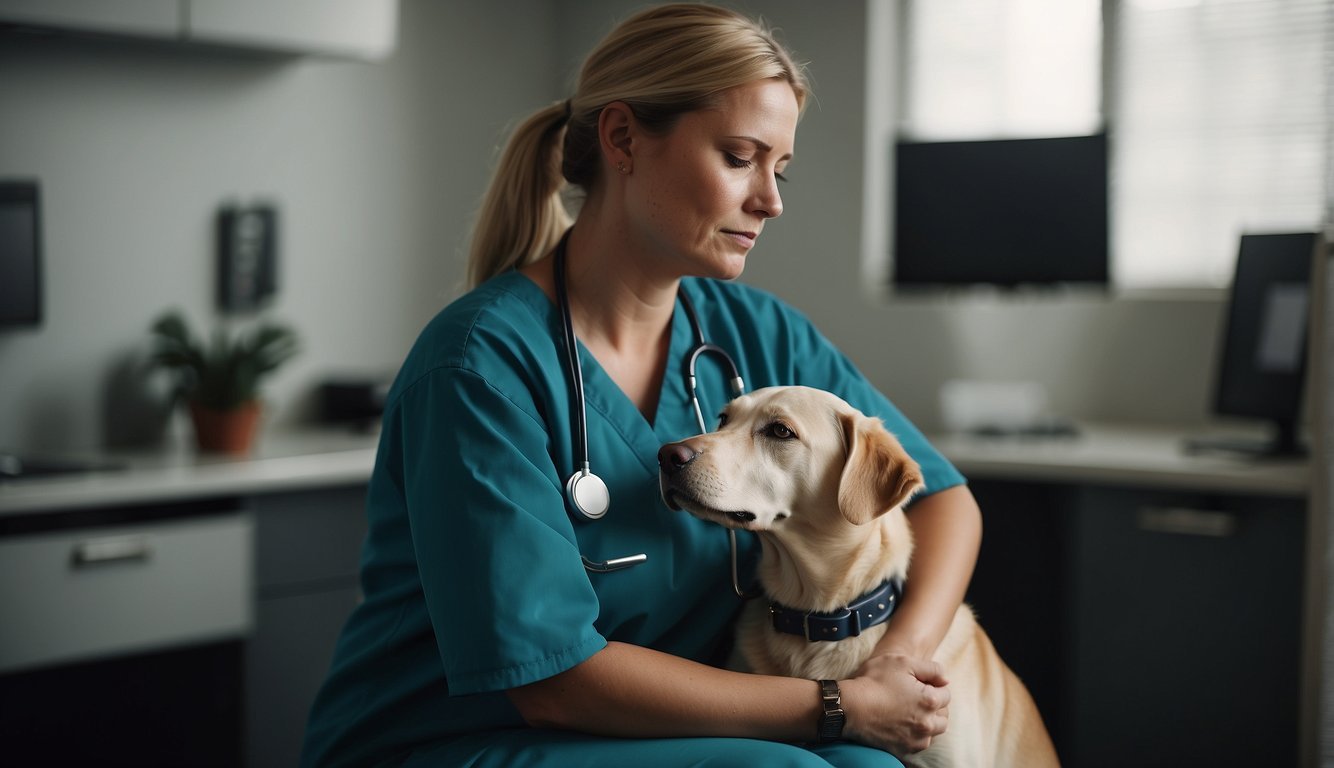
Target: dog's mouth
678 500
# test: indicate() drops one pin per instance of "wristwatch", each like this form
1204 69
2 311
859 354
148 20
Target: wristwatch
832 716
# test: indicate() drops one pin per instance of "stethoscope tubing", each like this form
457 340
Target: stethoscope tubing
583 473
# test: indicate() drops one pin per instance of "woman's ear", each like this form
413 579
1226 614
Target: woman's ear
616 129
878 474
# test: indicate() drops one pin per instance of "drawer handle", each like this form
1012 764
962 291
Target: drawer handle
111 549
1187 522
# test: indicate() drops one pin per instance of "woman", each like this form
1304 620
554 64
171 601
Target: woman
490 634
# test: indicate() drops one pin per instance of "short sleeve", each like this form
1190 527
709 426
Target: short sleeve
507 596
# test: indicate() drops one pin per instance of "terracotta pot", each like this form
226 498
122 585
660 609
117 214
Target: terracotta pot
231 431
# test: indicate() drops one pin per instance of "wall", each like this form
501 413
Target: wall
376 169
1108 356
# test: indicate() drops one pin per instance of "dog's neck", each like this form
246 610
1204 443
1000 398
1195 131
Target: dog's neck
822 570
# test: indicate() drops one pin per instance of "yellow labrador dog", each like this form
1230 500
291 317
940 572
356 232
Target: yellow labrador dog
823 486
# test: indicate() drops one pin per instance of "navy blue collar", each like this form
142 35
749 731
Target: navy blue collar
874 607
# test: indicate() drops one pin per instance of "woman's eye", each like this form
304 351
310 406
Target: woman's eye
735 161
781 431
722 420
780 177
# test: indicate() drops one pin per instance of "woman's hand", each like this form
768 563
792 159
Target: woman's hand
896 703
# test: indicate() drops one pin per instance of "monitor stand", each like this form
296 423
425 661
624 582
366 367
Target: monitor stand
1284 444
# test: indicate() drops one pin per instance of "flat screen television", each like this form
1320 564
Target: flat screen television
1262 363
1004 212
20 254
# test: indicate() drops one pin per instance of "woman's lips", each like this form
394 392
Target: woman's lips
746 239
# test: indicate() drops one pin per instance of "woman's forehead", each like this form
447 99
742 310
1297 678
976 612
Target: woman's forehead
764 113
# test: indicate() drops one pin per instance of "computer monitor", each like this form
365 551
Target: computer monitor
1262 366
1002 212
20 254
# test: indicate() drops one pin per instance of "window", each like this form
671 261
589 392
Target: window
991 69
1215 110
1218 114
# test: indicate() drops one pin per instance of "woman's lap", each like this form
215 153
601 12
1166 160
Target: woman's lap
536 748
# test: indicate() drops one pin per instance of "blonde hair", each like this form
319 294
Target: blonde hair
662 63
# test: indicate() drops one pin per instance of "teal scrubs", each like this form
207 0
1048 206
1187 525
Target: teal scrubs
471 571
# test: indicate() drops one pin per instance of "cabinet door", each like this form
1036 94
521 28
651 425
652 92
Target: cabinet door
308 549
307 539
285 666
1019 588
1186 629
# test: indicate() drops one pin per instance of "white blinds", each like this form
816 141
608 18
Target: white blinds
1217 110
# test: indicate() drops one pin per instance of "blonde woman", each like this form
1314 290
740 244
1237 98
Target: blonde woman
512 617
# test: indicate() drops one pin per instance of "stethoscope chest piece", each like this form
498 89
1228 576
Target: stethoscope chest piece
588 494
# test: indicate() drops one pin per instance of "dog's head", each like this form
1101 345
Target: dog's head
788 457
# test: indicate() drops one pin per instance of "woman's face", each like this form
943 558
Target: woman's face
699 196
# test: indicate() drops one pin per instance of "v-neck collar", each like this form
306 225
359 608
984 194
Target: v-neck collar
674 418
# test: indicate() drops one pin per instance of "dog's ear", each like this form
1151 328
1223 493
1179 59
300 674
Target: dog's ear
879 475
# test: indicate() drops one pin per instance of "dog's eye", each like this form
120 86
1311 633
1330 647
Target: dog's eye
780 431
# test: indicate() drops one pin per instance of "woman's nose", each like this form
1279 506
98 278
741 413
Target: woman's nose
768 201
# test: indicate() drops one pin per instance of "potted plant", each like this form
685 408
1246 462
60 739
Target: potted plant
220 380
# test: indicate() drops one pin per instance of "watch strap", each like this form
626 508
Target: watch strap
832 716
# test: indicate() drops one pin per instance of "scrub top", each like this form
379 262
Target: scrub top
471 570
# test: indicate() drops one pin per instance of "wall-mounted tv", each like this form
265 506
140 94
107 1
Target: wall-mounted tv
1003 212
20 254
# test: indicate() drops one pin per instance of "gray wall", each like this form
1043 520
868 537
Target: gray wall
377 169
1147 358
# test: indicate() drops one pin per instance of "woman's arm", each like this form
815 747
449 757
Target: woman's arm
947 532
629 691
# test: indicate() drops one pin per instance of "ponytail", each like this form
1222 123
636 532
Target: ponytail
522 216
662 62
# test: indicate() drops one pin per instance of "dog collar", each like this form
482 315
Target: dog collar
872 608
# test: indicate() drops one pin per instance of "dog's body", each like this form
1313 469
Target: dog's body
823 486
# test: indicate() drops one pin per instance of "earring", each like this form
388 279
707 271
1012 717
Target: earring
620 166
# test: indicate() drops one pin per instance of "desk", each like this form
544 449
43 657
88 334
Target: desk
1142 456
1152 600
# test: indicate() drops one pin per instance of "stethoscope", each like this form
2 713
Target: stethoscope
586 492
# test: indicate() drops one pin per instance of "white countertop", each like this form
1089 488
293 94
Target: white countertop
1133 455
315 458
1137 455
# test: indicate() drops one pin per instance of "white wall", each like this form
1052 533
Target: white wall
376 169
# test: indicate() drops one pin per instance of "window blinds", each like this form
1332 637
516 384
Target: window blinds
1218 126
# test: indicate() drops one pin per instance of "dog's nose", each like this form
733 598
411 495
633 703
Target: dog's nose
673 456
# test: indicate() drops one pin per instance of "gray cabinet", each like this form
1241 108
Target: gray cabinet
362 29
1186 629
121 634
1155 628
308 549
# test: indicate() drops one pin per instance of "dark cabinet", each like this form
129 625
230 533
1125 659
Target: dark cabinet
308 549
1155 628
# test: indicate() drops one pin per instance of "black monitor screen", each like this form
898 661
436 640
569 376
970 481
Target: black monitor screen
1263 363
20 254
1005 212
